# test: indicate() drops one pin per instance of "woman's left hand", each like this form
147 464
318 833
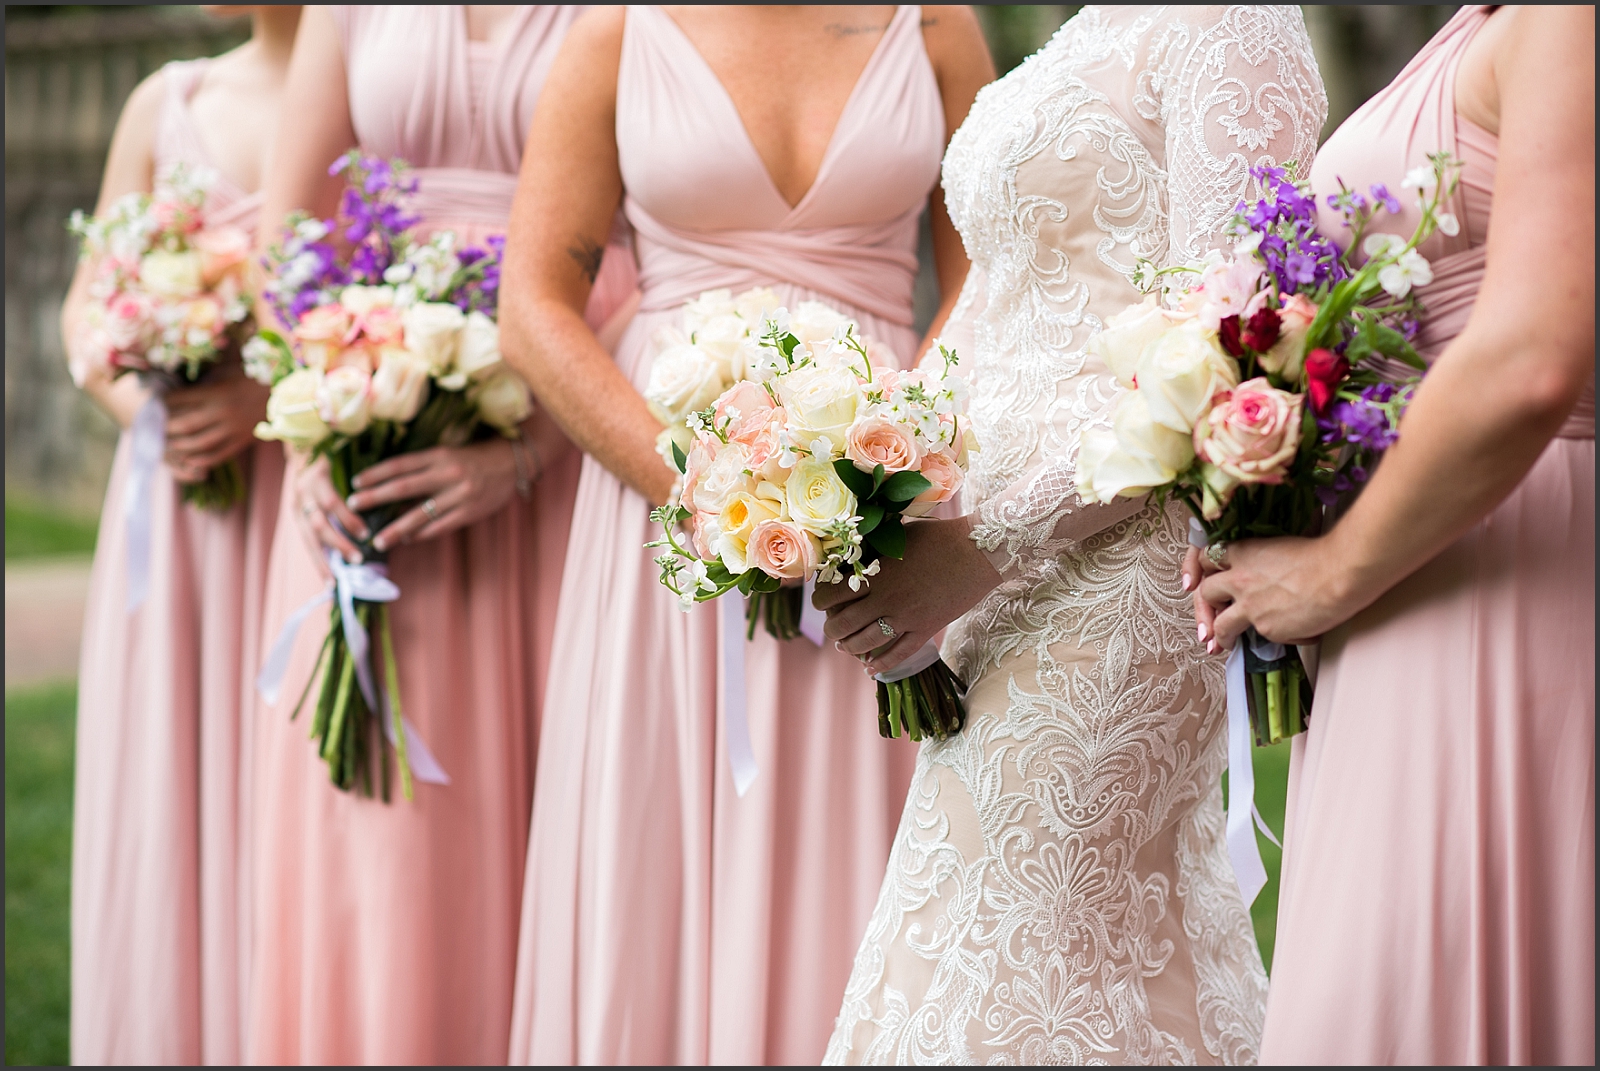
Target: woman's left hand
1292 590
942 576
457 485
210 422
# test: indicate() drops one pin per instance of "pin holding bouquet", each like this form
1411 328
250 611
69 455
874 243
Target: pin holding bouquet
807 468
1265 383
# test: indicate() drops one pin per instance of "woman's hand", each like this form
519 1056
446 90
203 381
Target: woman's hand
457 485
1292 590
210 422
320 506
942 576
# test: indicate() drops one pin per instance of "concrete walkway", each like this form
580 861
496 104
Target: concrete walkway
44 619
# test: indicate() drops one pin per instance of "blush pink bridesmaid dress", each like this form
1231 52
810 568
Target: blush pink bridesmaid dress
386 933
158 956
666 919
1438 873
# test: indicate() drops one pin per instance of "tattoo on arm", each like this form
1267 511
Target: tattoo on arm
588 256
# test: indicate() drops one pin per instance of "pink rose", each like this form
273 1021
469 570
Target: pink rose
700 455
941 470
784 550
1251 433
1225 290
321 334
879 441
382 325
754 406
129 319
222 249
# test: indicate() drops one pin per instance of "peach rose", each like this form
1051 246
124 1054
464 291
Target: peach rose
1252 433
724 477
754 407
941 470
222 250
382 325
321 333
879 441
784 550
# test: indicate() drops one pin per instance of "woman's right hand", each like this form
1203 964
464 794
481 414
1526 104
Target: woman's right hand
320 505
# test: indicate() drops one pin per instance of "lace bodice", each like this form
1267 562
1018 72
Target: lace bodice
1059 889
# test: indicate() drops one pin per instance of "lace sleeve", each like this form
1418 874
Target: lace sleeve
1231 88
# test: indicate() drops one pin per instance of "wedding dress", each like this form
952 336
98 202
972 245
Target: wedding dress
1059 890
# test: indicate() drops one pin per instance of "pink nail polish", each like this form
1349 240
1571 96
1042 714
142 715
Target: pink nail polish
1188 582
1200 632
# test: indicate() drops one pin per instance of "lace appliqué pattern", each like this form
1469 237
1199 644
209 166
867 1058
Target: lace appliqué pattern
1060 868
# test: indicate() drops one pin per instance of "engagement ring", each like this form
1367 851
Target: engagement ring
1218 555
431 508
883 627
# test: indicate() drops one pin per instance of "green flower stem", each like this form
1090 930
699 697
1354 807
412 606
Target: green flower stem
391 684
336 720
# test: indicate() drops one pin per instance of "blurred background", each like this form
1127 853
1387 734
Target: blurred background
68 70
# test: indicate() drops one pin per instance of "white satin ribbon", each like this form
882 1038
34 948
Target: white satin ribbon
925 657
368 582
811 618
148 434
1243 851
735 705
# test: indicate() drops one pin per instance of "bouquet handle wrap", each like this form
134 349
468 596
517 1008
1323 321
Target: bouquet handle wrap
1243 818
368 582
148 435
735 707
925 657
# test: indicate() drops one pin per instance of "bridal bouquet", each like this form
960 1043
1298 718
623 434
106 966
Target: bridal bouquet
391 347
167 300
804 467
1269 381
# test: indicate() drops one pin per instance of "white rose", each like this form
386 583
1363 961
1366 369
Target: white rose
479 352
172 275
723 478
502 400
360 300
822 402
344 400
400 385
433 332
1136 455
1126 336
1141 436
1181 372
754 304
292 411
721 337
816 497
815 322
709 304
683 379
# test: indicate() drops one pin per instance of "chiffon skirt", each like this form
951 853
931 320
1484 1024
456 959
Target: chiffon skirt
159 834
1438 878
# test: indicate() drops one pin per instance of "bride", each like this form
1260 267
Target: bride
1059 890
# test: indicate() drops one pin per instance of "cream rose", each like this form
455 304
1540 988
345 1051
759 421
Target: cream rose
821 403
502 400
360 300
703 308
1126 336
1140 434
1287 357
684 379
1253 432
172 275
815 322
941 470
1131 458
817 498
877 440
433 332
400 385
721 479
754 304
1181 372
784 550
292 416
743 512
344 400
479 352
720 337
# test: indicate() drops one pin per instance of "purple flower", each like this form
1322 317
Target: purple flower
1381 194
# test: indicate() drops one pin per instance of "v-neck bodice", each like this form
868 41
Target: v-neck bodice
706 209
178 142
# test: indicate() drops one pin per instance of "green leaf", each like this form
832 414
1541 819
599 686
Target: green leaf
679 459
718 573
761 582
871 516
877 479
889 538
905 486
747 580
859 482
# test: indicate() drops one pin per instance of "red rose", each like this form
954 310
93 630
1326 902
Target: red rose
1228 335
1261 333
1325 370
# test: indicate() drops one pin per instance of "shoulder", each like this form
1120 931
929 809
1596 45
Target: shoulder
142 113
598 30
951 28
957 51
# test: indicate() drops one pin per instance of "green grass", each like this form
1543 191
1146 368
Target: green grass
39 725
34 531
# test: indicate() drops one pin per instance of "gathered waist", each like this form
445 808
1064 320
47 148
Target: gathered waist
465 195
872 267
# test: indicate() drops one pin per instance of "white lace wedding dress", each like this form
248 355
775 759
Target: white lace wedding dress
1059 890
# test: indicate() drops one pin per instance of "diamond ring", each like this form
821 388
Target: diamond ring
884 627
431 508
1217 554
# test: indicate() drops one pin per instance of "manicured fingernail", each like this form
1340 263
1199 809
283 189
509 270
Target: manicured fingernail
1200 632
1211 646
381 543
359 482
1188 581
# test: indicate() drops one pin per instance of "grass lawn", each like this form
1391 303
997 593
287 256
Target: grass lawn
33 531
39 724
38 869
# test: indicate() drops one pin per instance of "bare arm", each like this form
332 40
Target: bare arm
566 197
962 65
130 168
1500 391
